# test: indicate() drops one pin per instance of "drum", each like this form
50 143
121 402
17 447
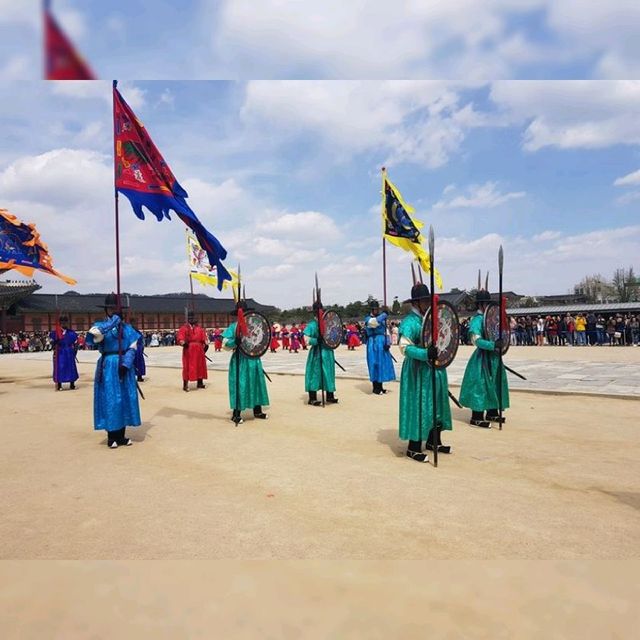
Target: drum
448 333
332 336
492 326
258 338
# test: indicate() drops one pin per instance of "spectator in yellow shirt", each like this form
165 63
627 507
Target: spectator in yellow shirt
581 329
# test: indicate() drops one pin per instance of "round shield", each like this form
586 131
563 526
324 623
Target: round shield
332 335
448 333
256 342
492 326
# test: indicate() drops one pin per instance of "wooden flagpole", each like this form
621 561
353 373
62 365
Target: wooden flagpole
384 242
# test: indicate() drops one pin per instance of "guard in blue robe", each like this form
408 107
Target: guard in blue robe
378 349
64 341
115 394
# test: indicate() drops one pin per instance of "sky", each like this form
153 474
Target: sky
287 39
287 175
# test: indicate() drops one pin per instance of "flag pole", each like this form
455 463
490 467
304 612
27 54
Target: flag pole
501 329
434 338
115 188
384 242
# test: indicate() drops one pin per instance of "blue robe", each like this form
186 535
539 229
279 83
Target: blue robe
115 401
64 356
139 363
378 357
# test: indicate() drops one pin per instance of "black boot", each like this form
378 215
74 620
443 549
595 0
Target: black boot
123 441
237 417
258 413
376 388
414 451
494 416
435 439
477 420
59 387
140 379
185 385
313 399
200 384
73 385
331 399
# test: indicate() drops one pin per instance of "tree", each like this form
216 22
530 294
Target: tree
625 284
395 307
527 302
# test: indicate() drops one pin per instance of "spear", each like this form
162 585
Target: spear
237 350
319 345
434 404
500 327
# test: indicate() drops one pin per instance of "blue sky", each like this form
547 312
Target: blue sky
286 174
245 39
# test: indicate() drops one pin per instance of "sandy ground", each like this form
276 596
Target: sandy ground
501 537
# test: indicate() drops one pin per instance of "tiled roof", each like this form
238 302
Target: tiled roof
609 307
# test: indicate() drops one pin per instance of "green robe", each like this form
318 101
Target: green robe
253 388
313 381
416 405
479 389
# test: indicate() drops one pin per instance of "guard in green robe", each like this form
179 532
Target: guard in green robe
252 385
416 398
479 389
314 379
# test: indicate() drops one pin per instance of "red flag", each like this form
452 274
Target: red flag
503 312
434 337
243 330
62 61
321 322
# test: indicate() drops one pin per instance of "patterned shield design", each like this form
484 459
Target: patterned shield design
492 326
332 335
448 333
256 342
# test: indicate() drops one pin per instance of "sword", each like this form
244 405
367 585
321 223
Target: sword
140 391
391 354
266 375
455 400
515 373
340 365
208 358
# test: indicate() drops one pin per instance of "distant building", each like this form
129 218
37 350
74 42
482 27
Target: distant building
38 311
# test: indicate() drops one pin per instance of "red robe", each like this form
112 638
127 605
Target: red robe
194 364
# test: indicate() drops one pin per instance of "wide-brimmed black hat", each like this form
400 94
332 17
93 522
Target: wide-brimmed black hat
63 319
419 291
242 304
111 302
374 304
192 315
482 296
316 306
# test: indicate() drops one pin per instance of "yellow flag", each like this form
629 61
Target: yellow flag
401 229
199 266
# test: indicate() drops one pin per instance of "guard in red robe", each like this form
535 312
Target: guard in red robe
217 339
275 333
285 338
194 342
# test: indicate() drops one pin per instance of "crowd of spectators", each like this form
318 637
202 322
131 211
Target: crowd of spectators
580 329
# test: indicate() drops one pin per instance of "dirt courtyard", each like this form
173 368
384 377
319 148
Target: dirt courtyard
313 524
560 481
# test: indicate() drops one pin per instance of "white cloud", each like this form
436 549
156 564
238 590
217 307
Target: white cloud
305 226
481 196
420 122
630 179
572 114
545 236
632 196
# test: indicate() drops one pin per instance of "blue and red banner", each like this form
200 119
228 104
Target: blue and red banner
62 61
22 249
143 176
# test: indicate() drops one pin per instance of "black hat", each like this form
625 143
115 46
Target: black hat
64 319
482 296
110 301
316 306
191 314
419 291
374 304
